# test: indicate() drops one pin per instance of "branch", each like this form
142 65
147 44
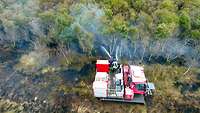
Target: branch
187 70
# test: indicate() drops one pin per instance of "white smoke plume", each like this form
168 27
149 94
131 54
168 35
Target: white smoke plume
88 17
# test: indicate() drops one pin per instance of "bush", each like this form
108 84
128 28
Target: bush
168 4
167 22
195 34
32 62
166 16
164 30
185 21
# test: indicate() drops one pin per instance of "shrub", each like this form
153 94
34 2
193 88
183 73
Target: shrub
185 21
32 62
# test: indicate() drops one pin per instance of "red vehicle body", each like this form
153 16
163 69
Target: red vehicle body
128 83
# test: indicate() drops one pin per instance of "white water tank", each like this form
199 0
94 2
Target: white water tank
100 88
100 85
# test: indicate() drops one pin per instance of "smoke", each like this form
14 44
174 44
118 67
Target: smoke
170 50
88 17
34 60
18 21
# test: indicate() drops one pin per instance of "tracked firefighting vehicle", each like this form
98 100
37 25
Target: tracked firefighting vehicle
120 82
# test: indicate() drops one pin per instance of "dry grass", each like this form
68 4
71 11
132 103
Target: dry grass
168 97
173 88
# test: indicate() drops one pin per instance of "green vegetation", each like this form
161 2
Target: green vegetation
66 21
143 18
60 35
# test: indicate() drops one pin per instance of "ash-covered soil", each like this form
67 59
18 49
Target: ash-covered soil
70 90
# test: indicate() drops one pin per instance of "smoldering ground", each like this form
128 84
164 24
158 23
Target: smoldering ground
25 87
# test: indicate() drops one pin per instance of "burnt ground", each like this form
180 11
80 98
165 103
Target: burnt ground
69 90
